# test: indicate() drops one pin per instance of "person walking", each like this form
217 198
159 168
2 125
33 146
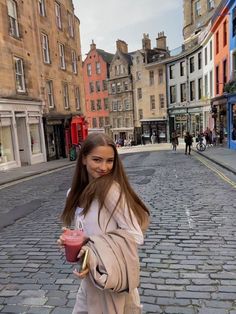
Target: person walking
188 139
174 140
114 218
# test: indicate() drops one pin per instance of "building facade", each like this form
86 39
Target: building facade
96 73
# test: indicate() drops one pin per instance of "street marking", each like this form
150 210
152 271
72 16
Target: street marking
219 173
6 185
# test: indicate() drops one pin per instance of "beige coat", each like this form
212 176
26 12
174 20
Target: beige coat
114 274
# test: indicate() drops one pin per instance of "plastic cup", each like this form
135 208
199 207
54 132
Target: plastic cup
73 241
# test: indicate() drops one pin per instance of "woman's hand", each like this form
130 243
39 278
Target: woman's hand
84 269
60 241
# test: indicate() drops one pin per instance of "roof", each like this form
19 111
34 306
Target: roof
107 57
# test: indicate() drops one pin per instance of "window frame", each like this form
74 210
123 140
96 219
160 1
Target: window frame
70 24
13 19
58 15
77 98
66 99
62 56
45 48
50 94
19 76
74 62
42 8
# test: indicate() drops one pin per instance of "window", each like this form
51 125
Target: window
171 68
182 68
162 101
217 42
211 84
206 85
92 105
101 122
19 73
114 123
35 138
58 15
70 25
13 21
99 104
119 123
45 47
225 71
197 8
119 105
139 93
89 69
191 61
104 85
199 60
172 94
199 88
151 77
107 121
91 87
183 92
225 33
152 102
113 88
118 88
98 67
114 105
205 56
160 76
211 4
62 56
126 86
98 87
77 98
234 22
65 96
140 114
42 10
127 122
106 104
49 91
127 104
95 123
192 90
74 62
210 50
138 75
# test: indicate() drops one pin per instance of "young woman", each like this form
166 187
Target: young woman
101 200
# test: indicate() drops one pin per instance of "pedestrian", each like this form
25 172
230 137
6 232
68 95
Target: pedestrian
174 140
188 139
103 202
153 138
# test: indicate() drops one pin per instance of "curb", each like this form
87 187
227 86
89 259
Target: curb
216 162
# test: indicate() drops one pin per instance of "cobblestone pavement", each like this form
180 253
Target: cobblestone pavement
188 260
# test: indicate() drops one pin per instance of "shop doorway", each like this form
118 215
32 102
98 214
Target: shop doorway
22 140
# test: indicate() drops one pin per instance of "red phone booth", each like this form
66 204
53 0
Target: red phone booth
79 130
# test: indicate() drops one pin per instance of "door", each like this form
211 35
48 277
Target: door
22 140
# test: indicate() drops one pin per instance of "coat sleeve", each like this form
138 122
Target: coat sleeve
125 219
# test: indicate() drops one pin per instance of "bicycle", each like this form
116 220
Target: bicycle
201 146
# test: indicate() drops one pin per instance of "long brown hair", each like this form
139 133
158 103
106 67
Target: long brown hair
83 192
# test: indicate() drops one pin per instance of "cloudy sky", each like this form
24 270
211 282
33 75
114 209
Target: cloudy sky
105 21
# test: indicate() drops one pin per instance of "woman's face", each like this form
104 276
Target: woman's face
99 161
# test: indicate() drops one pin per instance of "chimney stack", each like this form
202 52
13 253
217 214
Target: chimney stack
121 46
161 41
92 45
146 42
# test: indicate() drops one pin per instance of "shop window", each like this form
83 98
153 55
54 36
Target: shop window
183 92
19 73
42 10
45 48
6 145
70 24
35 139
13 20
58 15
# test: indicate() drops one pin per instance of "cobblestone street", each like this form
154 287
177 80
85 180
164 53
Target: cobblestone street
188 263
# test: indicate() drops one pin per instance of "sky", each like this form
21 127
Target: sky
105 21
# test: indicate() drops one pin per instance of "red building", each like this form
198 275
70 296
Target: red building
95 73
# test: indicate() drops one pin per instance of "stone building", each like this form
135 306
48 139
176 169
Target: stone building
120 91
149 88
197 14
41 79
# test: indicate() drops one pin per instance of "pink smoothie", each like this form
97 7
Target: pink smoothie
73 241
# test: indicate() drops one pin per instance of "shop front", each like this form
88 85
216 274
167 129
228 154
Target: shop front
21 133
154 131
231 113
219 114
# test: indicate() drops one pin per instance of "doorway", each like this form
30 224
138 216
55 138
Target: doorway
22 140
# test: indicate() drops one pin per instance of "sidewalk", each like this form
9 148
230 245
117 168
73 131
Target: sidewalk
219 155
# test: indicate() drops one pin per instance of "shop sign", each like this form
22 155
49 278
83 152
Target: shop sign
54 122
181 117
